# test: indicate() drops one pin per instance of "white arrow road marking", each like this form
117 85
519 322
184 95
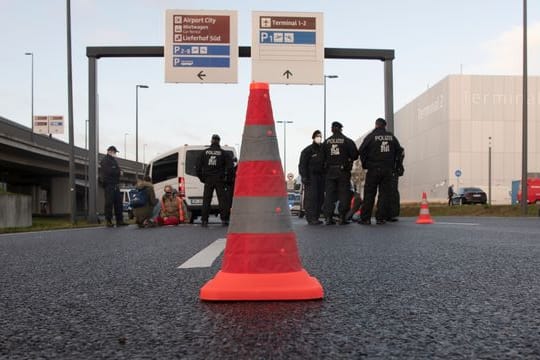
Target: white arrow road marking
205 257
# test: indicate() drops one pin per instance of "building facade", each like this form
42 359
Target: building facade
450 128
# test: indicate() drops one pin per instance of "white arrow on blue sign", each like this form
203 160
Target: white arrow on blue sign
458 173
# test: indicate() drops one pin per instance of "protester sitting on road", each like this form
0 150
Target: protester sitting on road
146 215
173 211
356 203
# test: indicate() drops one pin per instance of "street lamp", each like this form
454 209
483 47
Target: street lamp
143 153
489 172
32 106
284 144
125 136
326 77
137 120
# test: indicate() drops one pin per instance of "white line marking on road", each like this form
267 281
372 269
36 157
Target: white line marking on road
205 257
450 223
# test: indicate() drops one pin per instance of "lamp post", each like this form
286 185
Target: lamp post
524 135
125 136
489 172
144 153
137 122
324 125
86 168
32 89
284 144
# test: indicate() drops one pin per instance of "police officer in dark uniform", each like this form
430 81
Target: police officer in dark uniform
339 153
212 169
310 169
110 176
379 152
394 197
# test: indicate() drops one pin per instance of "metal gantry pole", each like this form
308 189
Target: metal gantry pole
93 141
389 94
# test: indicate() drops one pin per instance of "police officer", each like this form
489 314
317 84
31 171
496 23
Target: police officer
379 152
394 198
110 175
310 169
339 153
212 169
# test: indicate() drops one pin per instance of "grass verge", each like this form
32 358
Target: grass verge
469 210
42 223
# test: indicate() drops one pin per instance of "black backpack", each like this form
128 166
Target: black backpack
139 198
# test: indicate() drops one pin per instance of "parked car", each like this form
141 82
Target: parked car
293 199
469 195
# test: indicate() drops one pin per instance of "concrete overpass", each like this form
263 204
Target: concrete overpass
38 165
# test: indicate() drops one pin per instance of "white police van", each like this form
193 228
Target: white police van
178 168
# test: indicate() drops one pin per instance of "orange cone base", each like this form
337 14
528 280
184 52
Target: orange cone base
425 221
227 286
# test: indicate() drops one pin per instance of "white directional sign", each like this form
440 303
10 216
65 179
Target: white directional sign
52 124
201 46
287 48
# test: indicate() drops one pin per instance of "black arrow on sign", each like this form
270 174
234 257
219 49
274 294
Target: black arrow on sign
201 75
288 74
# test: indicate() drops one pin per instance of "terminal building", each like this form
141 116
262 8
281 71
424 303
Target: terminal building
449 129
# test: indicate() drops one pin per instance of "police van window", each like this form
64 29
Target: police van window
165 168
192 159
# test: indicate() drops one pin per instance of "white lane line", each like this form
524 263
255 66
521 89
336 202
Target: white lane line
451 223
205 257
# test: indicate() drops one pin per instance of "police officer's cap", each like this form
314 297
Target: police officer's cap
112 148
316 133
380 122
216 137
337 125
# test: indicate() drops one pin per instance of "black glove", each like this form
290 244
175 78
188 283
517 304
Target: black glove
400 170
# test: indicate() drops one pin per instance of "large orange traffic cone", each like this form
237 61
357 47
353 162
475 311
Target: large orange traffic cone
261 259
424 217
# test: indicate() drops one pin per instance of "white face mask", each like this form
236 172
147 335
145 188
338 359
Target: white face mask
112 153
318 140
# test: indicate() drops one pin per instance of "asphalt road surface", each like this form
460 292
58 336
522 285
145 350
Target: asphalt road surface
461 288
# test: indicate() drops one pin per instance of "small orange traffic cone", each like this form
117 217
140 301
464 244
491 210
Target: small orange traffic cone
424 217
261 259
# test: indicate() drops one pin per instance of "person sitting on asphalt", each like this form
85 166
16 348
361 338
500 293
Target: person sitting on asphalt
146 215
173 211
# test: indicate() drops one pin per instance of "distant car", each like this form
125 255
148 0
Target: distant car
293 200
469 195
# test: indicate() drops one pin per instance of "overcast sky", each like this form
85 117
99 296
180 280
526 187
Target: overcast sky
431 39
